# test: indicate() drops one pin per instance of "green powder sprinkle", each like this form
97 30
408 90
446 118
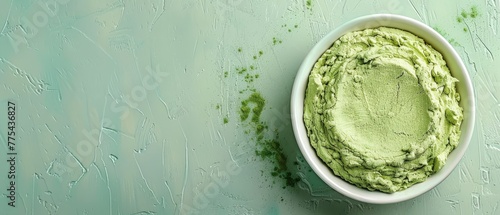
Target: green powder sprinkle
258 102
272 150
473 12
258 55
464 14
296 26
217 106
268 145
249 78
244 112
267 149
226 73
309 5
276 41
447 36
241 70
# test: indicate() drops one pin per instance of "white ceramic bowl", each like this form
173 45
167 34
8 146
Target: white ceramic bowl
457 69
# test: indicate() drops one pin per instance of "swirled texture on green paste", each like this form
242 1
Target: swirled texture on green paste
381 109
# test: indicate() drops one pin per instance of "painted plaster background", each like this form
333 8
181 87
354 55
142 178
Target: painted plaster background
132 107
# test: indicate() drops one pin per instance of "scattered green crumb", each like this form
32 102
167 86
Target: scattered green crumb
244 112
258 102
464 14
446 36
453 42
226 120
217 106
260 53
473 12
260 136
309 5
289 30
249 78
259 128
296 26
276 41
267 149
272 150
226 73
241 70
268 145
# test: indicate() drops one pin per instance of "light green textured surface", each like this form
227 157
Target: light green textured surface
116 105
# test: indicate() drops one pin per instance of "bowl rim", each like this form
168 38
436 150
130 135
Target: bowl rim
457 69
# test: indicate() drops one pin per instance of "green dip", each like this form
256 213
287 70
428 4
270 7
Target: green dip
381 109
